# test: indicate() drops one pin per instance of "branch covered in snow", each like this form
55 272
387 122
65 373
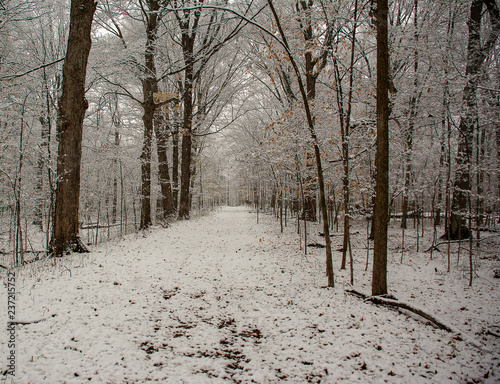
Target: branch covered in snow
394 303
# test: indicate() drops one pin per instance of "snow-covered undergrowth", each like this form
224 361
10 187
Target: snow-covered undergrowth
224 299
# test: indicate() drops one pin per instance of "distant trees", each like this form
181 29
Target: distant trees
203 33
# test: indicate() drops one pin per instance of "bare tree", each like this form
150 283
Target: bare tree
202 36
314 64
317 152
149 88
72 107
380 218
477 55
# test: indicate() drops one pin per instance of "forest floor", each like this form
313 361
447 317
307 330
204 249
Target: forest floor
221 298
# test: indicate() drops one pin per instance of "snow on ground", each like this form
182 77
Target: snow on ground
223 299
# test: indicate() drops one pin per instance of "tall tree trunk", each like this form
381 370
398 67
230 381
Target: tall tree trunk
188 40
46 123
167 204
313 67
498 165
317 152
476 57
379 276
115 177
186 149
149 88
411 123
310 185
146 168
175 159
345 122
72 107
480 153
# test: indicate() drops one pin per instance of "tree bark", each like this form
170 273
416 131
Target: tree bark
345 123
149 88
72 107
476 57
146 168
175 158
167 204
115 176
411 125
186 146
188 40
379 276
310 185
43 156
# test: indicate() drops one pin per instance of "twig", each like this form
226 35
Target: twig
26 322
11 77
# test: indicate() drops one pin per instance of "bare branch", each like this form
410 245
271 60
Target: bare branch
11 77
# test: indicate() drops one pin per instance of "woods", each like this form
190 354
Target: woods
315 111
250 190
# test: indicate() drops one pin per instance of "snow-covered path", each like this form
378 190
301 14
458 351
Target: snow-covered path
218 299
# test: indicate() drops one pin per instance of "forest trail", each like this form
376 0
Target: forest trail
218 299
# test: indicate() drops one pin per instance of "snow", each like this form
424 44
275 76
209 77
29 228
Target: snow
222 298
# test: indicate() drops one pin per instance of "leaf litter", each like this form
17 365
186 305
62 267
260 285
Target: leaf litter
221 298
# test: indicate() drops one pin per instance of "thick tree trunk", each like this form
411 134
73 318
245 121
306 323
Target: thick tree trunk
188 39
310 184
149 88
167 204
476 56
146 168
498 164
187 140
175 162
408 163
72 107
379 276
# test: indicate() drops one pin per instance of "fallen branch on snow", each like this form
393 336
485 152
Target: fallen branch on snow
394 303
27 322
492 333
435 246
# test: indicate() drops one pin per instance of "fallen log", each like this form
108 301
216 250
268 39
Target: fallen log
435 246
394 303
